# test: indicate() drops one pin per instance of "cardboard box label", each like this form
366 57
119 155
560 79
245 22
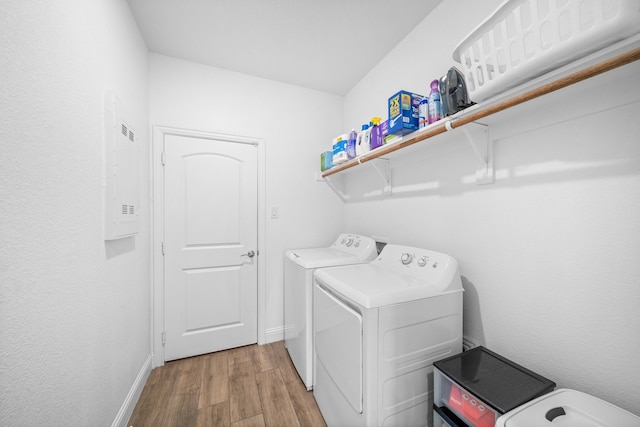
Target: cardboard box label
403 112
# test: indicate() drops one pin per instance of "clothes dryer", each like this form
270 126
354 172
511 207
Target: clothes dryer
378 328
299 266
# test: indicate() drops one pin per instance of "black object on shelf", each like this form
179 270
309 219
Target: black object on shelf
497 381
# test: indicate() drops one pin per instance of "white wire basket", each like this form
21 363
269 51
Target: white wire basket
524 39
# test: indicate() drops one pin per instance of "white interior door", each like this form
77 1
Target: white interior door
210 244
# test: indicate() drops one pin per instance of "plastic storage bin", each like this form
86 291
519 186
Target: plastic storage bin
569 408
524 39
468 407
443 417
476 387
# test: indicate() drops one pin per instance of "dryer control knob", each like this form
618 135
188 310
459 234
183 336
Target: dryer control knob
406 258
349 242
422 261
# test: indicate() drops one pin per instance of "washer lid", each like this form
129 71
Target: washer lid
399 274
371 286
569 408
347 249
320 257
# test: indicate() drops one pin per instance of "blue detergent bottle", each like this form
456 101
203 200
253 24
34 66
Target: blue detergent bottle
435 107
351 144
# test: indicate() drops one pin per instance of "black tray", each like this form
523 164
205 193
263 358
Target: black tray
497 381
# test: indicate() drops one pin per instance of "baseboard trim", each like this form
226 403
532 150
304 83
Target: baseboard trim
274 334
134 394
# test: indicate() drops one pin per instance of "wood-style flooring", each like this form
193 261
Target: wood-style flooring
245 386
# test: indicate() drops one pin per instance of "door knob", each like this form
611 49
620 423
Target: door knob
250 254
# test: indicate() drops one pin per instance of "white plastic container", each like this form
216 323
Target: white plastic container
568 408
340 149
524 39
363 141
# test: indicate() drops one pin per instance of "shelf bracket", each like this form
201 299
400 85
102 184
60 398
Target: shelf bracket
478 137
331 182
383 168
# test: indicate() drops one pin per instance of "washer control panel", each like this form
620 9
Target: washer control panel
421 260
420 265
362 246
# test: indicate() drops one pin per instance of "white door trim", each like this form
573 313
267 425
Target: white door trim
157 232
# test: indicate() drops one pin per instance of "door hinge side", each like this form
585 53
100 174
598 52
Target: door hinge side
164 338
162 248
162 158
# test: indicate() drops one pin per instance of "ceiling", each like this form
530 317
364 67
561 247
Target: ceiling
327 45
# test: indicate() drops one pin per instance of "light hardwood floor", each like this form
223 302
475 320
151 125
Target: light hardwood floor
246 386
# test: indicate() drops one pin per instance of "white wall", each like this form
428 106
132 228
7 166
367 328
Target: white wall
74 309
549 253
297 125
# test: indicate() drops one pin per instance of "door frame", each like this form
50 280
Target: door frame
157 231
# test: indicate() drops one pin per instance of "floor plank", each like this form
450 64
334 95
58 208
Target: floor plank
189 377
278 409
239 355
257 421
289 373
148 412
263 358
214 415
252 386
244 399
182 410
215 379
305 405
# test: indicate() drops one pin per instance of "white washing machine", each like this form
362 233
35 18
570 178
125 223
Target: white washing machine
378 328
299 265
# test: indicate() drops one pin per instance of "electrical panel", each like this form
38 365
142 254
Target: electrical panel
121 199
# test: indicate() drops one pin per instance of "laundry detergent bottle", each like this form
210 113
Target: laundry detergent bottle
375 139
340 149
363 145
351 144
434 102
